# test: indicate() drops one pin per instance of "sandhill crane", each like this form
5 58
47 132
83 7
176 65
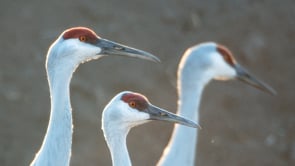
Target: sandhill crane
126 110
199 65
72 47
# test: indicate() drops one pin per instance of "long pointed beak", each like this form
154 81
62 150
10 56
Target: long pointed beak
157 113
112 48
244 76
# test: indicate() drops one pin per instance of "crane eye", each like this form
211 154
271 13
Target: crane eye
132 104
83 38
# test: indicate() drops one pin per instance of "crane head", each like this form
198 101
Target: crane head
217 62
80 44
129 109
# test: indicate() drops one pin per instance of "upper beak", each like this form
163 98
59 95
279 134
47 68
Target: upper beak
160 114
245 76
112 48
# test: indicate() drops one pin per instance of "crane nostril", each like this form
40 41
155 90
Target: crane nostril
119 48
163 114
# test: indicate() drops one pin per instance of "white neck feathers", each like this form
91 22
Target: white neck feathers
56 146
116 139
181 147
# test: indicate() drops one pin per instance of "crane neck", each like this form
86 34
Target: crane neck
181 147
116 140
189 101
56 146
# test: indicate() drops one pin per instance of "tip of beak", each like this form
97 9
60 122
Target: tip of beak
148 56
154 58
262 86
196 125
272 91
157 60
244 76
192 124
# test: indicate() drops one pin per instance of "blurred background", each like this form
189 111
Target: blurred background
241 125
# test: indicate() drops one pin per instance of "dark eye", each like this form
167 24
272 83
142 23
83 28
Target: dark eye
132 104
83 38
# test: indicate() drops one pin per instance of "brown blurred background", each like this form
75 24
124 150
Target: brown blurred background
241 125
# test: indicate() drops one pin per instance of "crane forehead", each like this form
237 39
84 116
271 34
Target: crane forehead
140 100
133 96
226 54
76 32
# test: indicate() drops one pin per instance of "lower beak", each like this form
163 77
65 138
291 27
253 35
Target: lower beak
163 115
112 48
245 76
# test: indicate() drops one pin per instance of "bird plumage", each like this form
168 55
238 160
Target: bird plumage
73 47
199 65
127 110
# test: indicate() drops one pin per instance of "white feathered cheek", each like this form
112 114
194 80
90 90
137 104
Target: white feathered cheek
134 115
89 52
81 51
223 70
